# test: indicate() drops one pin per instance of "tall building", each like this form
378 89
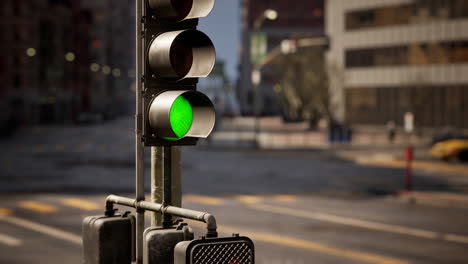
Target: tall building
19 75
300 18
112 55
391 57
62 58
40 83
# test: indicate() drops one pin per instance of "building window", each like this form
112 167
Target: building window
420 11
388 56
432 106
413 54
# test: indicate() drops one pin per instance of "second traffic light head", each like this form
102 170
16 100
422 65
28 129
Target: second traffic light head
181 9
181 54
178 114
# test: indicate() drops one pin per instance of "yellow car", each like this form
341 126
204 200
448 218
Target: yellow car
451 148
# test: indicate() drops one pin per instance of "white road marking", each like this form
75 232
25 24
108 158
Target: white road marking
10 241
40 228
361 223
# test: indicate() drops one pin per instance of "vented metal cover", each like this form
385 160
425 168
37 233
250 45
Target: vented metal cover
234 250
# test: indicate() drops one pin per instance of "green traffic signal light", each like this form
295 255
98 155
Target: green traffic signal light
174 115
180 117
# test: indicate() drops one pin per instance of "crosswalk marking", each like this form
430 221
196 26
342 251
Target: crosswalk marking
5 211
285 197
38 207
203 199
81 204
43 229
9 240
249 199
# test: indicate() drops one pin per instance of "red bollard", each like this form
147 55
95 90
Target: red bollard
409 155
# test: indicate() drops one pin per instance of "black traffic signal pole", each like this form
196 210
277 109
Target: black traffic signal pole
139 149
205 217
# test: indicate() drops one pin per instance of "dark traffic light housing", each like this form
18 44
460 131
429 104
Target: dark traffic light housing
176 55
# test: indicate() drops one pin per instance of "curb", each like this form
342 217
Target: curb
440 199
392 161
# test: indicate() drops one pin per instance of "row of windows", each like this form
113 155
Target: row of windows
420 11
414 54
433 106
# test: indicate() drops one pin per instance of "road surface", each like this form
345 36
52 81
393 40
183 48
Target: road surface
298 206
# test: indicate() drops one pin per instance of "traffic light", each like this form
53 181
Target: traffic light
175 56
228 250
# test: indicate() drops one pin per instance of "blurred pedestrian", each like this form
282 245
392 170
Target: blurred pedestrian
391 131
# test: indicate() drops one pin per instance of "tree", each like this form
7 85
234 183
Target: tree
304 86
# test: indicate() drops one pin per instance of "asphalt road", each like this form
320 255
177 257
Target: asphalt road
286 229
298 206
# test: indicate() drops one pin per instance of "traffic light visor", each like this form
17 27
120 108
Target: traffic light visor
179 10
181 54
178 114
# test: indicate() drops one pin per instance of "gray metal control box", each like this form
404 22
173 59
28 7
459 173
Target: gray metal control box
159 243
109 239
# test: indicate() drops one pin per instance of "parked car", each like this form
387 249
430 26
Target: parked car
451 148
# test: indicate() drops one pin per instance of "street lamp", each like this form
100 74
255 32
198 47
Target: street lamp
268 14
31 52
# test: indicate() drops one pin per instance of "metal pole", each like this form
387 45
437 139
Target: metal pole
167 183
257 111
409 156
207 218
139 149
156 180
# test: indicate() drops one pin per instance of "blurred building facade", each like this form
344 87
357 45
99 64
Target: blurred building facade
219 89
112 55
390 57
19 75
303 18
47 51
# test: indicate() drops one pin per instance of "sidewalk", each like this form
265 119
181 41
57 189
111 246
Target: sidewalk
273 133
